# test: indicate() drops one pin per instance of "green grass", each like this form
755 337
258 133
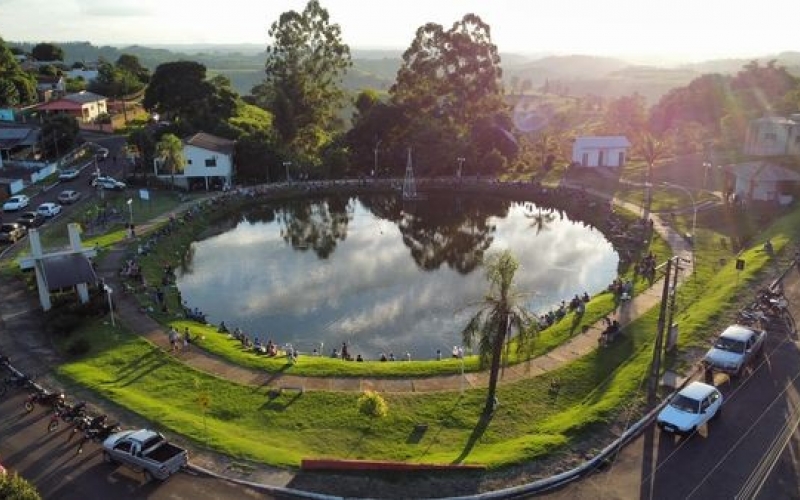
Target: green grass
242 421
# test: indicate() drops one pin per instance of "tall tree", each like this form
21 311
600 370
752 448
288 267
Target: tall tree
170 150
304 67
131 64
499 316
17 86
176 88
47 52
453 77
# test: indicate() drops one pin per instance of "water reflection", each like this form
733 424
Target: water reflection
381 275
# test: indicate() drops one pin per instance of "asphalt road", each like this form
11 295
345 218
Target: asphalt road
50 461
751 452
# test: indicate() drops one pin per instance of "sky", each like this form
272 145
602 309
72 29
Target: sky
670 29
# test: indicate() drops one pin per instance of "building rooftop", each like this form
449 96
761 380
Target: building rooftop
211 143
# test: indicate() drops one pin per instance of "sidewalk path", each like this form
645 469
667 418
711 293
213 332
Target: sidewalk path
129 313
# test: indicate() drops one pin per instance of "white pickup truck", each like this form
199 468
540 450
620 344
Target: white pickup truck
145 450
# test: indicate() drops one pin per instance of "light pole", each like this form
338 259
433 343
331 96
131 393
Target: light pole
109 291
286 165
375 167
461 161
130 211
706 169
694 210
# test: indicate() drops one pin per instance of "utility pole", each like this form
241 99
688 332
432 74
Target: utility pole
658 348
673 296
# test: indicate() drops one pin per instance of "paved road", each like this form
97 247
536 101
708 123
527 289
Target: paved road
749 453
50 461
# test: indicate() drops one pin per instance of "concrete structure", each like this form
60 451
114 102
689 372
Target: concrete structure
55 85
84 106
773 136
600 151
761 181
209 159
59 270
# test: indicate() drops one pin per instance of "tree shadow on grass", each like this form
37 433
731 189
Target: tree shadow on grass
477 432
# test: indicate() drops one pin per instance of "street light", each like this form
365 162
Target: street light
706 169
375 167
286 165
109 291
694 210
130 211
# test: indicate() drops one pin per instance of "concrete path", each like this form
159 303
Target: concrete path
128 312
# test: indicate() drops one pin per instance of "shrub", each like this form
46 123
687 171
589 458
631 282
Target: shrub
15 487
372 404
79 347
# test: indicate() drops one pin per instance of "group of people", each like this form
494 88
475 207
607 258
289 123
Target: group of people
179 342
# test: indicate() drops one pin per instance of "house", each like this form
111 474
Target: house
84 106
17 140
87 75
49 85
761 181
600 151
773 136
209 163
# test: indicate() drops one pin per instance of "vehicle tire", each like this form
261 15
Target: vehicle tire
718 414
147 477
53 426
28 406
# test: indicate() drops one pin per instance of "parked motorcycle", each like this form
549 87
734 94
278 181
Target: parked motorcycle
98 435
85 422
66 413
43 398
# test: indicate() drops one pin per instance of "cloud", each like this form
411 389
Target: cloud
117 8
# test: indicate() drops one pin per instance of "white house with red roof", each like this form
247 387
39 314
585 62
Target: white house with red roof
84 106
600 151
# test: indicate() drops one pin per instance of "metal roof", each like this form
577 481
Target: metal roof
602 141
84 97
18 136
762 171
211 142
65 271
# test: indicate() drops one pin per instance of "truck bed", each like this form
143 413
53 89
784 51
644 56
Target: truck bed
164 453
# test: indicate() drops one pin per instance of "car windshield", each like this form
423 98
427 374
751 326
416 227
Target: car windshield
730 345
685 403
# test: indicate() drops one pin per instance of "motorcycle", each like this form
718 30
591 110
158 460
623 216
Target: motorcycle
98 435
66 413
84 423
51 399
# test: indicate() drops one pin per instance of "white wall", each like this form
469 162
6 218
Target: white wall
590 156
196 163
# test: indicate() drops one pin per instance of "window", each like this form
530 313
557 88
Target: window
771 136
211 162
188 162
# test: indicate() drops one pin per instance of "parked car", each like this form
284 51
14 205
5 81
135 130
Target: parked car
109 183
145 450
17 202
49 209
31 219
68 175
68 196
690 408
734 349
12 232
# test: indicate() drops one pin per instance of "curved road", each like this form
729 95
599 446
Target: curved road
751 452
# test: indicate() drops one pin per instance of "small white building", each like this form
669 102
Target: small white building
762 181
208 158
773 136
600 151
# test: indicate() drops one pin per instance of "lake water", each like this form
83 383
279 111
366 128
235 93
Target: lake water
382 275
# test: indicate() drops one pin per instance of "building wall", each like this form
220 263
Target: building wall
595 157
767 138
205 163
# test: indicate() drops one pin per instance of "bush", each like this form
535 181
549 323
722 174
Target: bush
78 348
14 487
64 323
372 404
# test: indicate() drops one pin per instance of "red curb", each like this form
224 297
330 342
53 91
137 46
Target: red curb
319 464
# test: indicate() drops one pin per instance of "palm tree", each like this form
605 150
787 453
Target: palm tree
499 315
170 150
